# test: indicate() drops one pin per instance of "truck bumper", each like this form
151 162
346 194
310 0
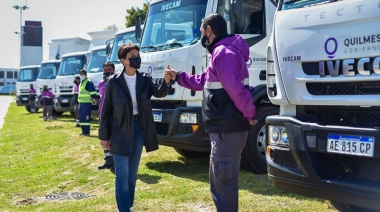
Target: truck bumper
183 136
64 103
22 100
307 168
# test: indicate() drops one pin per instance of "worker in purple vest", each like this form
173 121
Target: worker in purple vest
47 101
108 70
32 99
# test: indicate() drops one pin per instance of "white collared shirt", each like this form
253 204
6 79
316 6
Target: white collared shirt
131 83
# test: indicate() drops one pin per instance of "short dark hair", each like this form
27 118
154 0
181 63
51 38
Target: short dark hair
125 49
78 78
83 71
109 64
217 23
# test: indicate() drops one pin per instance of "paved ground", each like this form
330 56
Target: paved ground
4 104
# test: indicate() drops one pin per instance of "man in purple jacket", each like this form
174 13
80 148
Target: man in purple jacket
227 107
108 70
32 99
47 101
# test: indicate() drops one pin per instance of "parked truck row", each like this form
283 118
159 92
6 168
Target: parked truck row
313 66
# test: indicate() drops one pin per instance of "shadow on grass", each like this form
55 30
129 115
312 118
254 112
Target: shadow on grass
148 179
197 169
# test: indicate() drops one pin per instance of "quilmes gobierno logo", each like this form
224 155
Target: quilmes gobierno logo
331 46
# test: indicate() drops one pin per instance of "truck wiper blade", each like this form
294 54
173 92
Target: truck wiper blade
149 47
290 2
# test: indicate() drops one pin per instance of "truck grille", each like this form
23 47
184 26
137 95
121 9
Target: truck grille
162 128
344 88
341 116
328 166
167 104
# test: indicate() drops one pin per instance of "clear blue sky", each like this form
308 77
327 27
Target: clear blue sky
60 19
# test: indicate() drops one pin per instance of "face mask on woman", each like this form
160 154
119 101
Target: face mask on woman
135 62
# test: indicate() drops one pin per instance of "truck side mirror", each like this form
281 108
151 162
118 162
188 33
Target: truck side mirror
138 28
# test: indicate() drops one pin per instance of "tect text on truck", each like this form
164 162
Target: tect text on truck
323 71
171 35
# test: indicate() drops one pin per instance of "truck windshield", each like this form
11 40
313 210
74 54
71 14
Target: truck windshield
120 39
28 75
71 65
294 4
97 60
48 71
172 24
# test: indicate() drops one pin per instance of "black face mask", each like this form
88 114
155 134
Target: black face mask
204 41
45 89
135 62
106 75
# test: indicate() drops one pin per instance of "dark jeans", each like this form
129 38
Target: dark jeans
48 111
126 172
32 104
226 149
85 117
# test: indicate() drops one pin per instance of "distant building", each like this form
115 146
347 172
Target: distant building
32 43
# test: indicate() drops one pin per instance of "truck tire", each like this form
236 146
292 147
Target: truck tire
57 113
72 114
191 154
344 207
253 155
28 109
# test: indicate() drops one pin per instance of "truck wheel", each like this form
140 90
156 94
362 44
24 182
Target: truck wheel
57 113
344 207
253 155
72 114
191 154
28 109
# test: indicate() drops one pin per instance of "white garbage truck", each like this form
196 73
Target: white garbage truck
27 75
171 35
48 73
323 71
71 64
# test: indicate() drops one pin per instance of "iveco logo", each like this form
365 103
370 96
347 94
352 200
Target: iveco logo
350 67
331 45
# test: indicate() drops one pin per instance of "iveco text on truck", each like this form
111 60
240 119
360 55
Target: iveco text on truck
323 71
171 36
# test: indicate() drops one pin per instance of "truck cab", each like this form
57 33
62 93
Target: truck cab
71 64
171 35
26 75
98 57
48 73
124 36
323 72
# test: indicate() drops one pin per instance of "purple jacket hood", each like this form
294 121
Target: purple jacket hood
238 42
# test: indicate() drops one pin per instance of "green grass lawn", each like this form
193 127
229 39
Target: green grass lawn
39 158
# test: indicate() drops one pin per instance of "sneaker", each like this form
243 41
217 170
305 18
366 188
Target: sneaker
50 118
45 118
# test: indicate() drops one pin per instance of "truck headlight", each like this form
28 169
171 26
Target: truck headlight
188 118
278 136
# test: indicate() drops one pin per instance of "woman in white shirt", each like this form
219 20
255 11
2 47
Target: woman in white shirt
126 123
